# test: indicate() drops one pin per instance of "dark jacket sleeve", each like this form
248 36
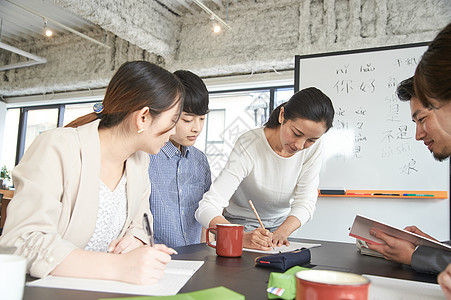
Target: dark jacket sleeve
430 260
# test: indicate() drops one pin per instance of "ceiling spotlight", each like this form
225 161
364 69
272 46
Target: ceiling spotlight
213 16
216 28
47 31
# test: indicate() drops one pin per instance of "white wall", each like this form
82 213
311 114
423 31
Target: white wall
335 215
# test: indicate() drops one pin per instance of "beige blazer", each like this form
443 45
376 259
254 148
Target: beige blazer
54 208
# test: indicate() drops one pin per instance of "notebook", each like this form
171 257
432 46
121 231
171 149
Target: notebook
293 247
177 273
361 230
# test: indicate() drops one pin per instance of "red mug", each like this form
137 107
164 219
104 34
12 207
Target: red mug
229 239
330 285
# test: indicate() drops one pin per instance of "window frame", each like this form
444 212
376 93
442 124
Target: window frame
21 135
272 92
23 118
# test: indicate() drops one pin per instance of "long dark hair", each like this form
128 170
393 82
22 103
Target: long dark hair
310 104
135 85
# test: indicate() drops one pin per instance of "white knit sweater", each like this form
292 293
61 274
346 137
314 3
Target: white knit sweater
278 186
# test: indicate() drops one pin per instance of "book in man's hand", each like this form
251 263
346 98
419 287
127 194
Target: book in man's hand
361 230
363 248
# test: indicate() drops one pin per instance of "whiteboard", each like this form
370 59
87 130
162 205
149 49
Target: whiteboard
372 143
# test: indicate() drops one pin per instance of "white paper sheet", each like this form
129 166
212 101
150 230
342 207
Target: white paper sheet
293 247
391 288
178 272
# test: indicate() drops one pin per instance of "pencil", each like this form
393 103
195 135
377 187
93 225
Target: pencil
256 214
258 218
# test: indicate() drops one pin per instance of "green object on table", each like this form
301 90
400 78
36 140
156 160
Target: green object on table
217 293
283 285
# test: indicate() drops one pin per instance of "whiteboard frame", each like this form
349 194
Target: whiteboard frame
298 58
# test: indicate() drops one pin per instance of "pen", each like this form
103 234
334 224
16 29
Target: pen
148 229
418 195
258 217
382 194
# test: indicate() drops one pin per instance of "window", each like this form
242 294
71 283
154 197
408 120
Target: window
37 121
214 141
231 114
282 95
34 120
10 138
215 126
73 111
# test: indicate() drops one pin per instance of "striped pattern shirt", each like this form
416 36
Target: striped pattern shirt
179 180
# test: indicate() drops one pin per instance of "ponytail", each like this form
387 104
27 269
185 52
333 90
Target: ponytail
82 120
273 121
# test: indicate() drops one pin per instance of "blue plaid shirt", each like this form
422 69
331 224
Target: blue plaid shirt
179 181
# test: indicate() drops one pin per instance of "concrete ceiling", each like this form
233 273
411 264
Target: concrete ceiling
22 20
182 7
265 35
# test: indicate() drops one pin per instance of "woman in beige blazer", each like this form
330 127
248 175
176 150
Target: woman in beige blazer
55 208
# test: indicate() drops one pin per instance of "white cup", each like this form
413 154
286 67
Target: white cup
12 276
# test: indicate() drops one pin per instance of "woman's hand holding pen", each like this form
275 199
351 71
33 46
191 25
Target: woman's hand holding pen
144 265
165 249
124 244
128 243
259 238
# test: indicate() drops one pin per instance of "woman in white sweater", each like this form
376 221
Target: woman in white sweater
82 191
277 167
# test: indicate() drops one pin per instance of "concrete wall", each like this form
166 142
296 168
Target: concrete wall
147 24
268 34
265 35
73 63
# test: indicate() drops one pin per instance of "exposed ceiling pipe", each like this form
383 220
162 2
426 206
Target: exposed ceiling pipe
35 60
60 25
212 14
